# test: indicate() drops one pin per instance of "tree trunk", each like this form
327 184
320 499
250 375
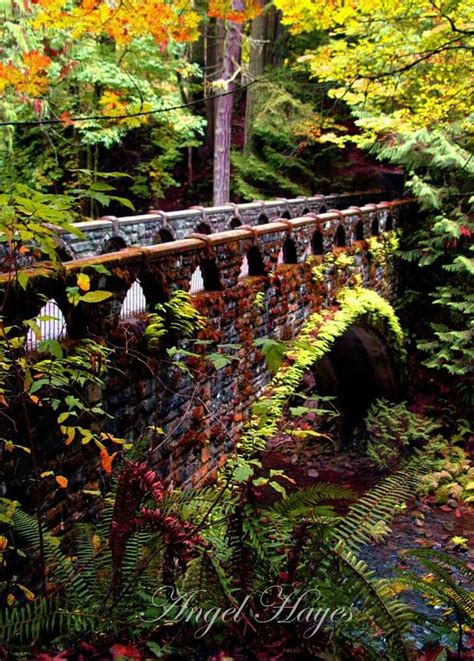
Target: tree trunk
213 66
224 105
258 35
272 34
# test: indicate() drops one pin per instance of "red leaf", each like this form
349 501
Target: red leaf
129 652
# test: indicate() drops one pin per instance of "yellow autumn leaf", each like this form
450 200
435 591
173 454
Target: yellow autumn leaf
28 593
69 432
83 282
11 599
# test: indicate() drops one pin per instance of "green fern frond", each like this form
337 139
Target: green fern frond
378 504
374 596
311 497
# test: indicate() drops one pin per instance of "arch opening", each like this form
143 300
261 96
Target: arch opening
317 245
375 227
134 302
290 256
262 219
255 261
235 222
286 215
359 231
340 237
114 244
203 228
389 223
163 236
51 323
357 370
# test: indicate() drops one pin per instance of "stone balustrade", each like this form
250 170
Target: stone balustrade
197 263
111 233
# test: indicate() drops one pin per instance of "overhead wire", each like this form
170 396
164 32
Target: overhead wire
143 113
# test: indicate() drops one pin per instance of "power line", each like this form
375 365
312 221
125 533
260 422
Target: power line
103 118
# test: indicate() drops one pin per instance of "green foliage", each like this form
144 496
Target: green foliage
445 585
451 473
378 505
24 217
177 318
393 430
285 160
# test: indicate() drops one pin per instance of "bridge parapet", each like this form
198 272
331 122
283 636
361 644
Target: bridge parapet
198 263
156 226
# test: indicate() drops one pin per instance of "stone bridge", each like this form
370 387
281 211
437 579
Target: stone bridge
251 282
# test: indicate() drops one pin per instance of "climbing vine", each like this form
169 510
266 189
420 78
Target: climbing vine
316 340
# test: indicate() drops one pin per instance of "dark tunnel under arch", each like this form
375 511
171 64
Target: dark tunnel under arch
359 369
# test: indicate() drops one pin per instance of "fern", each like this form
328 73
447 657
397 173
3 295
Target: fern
379 504
309 499
373 595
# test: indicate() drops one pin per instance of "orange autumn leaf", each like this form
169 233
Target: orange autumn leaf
107 459
238 12
62 481
70 433
65 117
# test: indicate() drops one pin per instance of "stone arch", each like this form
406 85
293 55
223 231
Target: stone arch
262 219
286 215
317 243
359 231
359 307
374 228
134 302
235 222
203 228
340 237
290 254
114 244
164 235
53 327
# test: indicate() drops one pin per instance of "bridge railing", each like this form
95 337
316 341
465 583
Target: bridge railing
110 233
141 277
